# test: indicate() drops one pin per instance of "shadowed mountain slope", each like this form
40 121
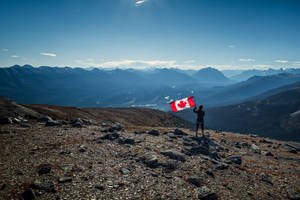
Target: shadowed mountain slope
276 116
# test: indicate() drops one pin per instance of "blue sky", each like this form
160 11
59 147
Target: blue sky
188 34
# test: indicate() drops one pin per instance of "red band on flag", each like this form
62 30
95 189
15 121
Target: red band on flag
173 106
191 101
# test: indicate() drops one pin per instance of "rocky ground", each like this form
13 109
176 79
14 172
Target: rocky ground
82 160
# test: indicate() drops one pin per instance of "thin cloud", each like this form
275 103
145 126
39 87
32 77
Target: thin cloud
247 60
15 56
48 54
141 64
281 61
4 49
139 3
231 46
297 63
261 66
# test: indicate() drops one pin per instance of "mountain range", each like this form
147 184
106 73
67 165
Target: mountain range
153 88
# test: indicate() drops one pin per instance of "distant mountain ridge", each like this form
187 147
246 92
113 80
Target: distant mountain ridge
246 74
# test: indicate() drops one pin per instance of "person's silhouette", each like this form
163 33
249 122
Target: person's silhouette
200 119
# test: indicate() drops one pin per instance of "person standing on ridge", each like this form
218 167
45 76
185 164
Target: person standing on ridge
200 119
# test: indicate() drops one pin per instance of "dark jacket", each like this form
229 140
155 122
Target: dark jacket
200 114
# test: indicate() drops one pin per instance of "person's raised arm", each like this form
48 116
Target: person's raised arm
195 111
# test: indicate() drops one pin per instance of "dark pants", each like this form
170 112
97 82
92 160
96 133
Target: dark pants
202 125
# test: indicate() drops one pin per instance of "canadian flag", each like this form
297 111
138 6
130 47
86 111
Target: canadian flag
182 104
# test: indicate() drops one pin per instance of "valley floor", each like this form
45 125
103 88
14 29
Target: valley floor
87 163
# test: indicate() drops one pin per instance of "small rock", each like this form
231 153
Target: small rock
149 160
169 166
104 129
173 155
268 153
87 121
179 132
209 172
224 141
139 132
115 127
82 148
64 179
253 135
255 148
99 187
195 181
264 140
16 120
204 193
234 159
266 178
292 151
53 123
124 171
44 170
154 132
111 136
45 119
28 195
77 124
221 166
245 144
3 186
172 135
122 140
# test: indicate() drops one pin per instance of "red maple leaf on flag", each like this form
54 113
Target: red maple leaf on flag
181 104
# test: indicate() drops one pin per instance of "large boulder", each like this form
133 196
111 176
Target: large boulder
201 145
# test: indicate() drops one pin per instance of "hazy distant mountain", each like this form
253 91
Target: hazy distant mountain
153 88
244 75
209 75
277 116
231 72
242 91
275 91
99 87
